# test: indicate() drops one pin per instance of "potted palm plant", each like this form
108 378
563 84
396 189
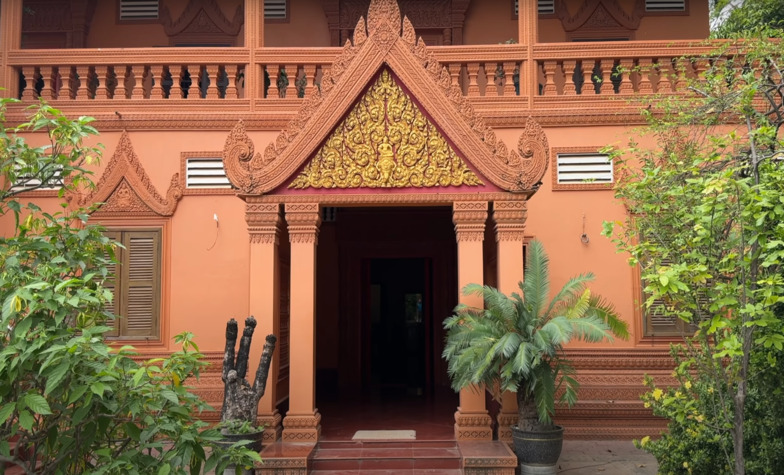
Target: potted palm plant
515 343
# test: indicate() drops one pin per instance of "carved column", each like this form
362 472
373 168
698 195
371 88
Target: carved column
10 39
509 217
472 422
303 421
264 302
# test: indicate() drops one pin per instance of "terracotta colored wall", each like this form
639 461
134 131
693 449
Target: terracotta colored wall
307 26
489 23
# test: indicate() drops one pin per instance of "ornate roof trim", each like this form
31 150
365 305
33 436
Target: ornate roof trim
213 12
382 40
591 7
125 187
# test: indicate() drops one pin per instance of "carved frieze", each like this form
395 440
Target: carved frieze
125 188
204 21
385 142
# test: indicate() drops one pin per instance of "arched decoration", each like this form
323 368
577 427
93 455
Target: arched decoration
203 22
601 19
126 190
385 44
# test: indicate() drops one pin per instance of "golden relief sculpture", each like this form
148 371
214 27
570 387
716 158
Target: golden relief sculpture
385 142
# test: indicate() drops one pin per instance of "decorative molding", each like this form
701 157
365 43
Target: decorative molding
473 426
383 43
125 189
202 20
302 428
430 198
597 14
469 218
510 217
303 220
263 222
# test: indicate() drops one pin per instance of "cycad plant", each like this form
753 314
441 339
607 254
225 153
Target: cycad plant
516 342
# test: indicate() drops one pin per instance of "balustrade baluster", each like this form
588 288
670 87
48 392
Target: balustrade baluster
568 72
136 74
646 67
664 75
587 68
600 76
292 75
623 75
29 79
454 73
101 75
231 78
549 88
120 76
272 73
310 79
212 79
156 83
509 88
79 86
198 89
473 85
46 75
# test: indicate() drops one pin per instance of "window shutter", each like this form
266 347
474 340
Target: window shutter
138 9
665 5
578 168
275 9
205 173
111 283
545 7
141 283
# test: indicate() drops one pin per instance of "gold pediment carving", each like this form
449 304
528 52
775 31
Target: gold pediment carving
385 142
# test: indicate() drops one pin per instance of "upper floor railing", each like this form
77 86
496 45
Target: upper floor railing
162 77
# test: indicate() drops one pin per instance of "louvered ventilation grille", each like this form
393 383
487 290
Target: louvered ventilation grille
24 183
142 253
140 310
275 9
665 5
206 173
545 7
584 168
138 9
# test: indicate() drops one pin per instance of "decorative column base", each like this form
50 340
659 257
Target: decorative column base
272 426
473 426
505 422
302 427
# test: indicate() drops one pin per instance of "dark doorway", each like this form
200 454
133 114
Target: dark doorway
398 324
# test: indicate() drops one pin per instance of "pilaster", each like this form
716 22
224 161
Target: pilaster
254 39
264 298
509 218
472 422
10 39
303 421
528 35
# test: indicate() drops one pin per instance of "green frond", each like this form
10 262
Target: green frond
536 286
557 331
544 394
573 287
580 305
606 312
591 329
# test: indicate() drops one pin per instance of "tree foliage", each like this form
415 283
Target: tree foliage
738 18
706 221
69 401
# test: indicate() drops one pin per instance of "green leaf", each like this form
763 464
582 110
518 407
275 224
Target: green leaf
164 470
6 411
37 404
26 420
56 376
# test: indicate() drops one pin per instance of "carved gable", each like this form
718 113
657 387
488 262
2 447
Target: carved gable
385 142
386 43
126 190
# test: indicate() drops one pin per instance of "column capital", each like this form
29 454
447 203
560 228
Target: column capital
510 217
469 218
303 221
263 222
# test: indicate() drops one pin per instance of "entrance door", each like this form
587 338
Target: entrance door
397 326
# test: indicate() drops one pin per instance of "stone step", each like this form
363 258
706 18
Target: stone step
435 471
419 456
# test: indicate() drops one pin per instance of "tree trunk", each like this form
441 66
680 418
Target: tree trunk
528 418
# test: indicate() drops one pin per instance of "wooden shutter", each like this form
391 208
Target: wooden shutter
141 284
111 284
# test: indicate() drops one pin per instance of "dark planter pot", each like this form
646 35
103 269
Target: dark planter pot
254 438
538 451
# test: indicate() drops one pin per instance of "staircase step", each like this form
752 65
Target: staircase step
435 471
395 456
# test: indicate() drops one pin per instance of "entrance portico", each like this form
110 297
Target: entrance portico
385 131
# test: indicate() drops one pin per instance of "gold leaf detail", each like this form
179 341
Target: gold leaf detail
385 142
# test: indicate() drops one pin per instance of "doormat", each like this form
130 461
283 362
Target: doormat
385 435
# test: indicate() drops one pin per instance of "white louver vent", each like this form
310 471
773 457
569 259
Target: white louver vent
138 9
275 9
24 183
545 7
665 5
206 173
576 168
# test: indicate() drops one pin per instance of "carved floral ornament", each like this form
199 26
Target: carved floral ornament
125 188
380 44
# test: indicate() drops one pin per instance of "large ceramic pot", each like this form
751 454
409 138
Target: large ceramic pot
538 451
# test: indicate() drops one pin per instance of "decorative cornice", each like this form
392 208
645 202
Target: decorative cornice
383 42
125 188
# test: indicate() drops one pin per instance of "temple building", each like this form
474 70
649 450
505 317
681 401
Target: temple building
341 168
